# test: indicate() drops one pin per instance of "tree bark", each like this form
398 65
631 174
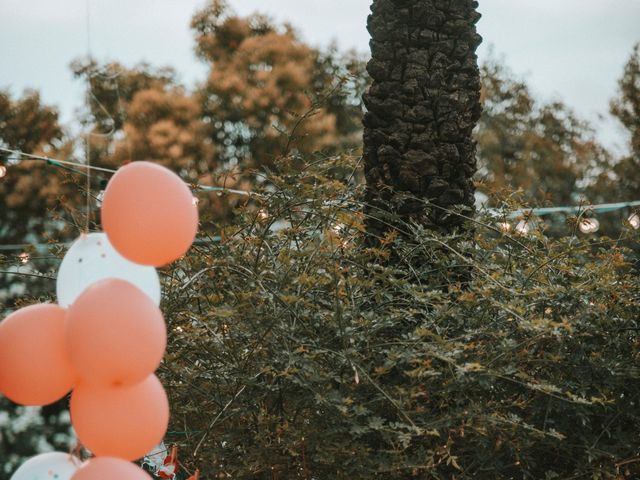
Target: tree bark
422 105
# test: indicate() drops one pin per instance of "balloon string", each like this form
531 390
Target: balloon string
88 136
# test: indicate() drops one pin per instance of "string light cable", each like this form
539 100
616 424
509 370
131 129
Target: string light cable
523 226
61 163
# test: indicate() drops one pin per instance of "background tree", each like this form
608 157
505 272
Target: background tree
621 179
542 151
30 191
268 94
37 204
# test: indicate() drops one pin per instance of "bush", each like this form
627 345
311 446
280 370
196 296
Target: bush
297 351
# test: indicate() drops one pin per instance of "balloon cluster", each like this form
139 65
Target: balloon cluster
106 336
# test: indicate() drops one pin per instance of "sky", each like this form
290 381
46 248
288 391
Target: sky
569 50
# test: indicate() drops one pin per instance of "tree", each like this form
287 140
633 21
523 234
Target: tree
30 189
144 113
542 151
623 178
38 204
626 108
422 106
268 94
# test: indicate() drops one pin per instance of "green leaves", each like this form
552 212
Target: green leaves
352 366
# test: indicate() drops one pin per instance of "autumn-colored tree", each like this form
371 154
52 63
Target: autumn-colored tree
268 94
31 189
143 113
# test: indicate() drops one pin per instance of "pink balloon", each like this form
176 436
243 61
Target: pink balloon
105 468
123 422
149 214
34 365
115 334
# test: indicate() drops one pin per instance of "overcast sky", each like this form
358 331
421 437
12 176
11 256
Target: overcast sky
572 50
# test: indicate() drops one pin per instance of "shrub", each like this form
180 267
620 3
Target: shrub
296 351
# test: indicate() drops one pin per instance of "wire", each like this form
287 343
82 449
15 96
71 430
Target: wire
24 246
55 162
523 212
600 208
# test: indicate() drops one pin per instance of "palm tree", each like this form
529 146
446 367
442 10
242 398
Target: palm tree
422 106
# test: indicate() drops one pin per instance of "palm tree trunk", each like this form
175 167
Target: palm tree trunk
422 105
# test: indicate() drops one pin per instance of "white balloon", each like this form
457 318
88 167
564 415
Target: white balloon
92 258
48 466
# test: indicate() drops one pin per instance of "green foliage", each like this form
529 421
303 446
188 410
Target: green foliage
297 352
25 430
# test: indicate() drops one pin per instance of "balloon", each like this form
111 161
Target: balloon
114 333
35 368
149 214
92 258
124 422
108 468
48 466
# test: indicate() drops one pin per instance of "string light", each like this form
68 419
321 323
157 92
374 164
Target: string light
62 163
523 227
505 227
589 225
263 214
99 198
24 257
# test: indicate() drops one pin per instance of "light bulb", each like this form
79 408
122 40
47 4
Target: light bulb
24 257
504 226
3 171
523 227
589 225
99 198
262 214
634 221
337 228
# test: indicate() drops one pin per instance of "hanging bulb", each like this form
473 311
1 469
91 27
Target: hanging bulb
504 227
634 221
3 171
263 214
523 227
589 225
337 228
24 257
99 198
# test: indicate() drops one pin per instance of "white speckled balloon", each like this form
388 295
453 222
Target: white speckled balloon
48 466
92 258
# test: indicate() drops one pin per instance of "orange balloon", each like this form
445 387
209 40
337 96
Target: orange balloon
115 333
34 365
124 422
104 468
149 214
